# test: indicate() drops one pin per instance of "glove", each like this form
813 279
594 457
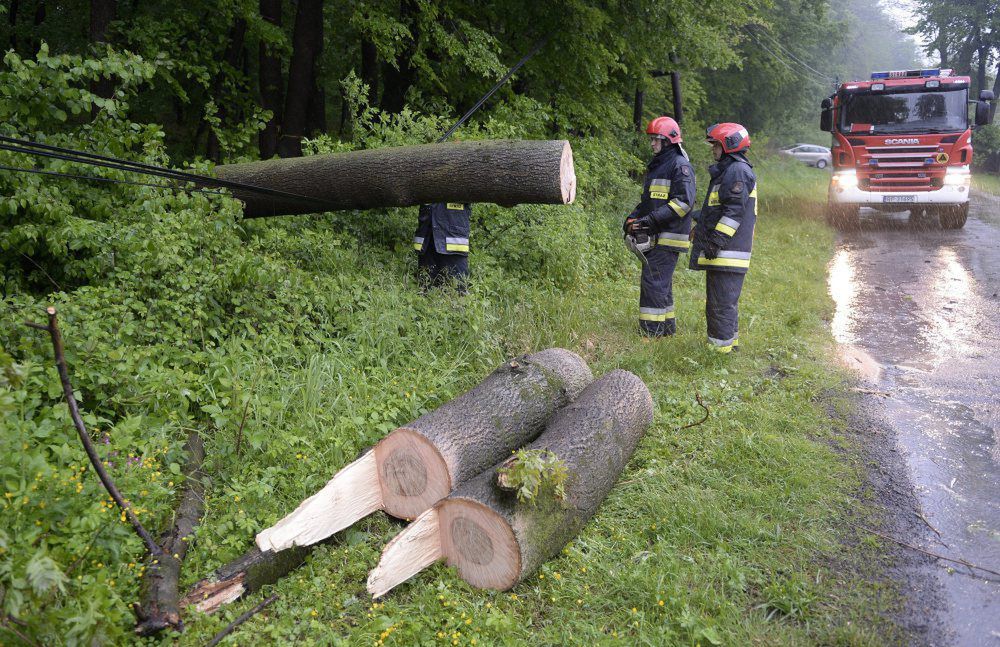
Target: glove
639 225
627 225
711 250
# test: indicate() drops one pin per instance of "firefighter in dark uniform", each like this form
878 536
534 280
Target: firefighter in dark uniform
667 195
723 235
442 243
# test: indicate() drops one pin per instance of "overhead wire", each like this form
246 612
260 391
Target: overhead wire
791 55
524 59
108 180
37 149
791 69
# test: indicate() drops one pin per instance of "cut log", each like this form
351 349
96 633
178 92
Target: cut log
506 172
419 464
495 541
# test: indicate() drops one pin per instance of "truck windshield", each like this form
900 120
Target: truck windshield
908 112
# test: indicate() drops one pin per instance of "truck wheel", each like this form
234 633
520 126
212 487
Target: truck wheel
843 218
821 164
955 217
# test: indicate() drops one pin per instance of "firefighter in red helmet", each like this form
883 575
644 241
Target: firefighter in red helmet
663 218
723 235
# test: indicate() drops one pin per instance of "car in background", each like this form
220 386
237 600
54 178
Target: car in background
818 156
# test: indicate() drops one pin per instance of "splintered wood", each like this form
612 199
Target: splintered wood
353 493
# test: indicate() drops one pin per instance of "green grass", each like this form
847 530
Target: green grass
986 182
729 532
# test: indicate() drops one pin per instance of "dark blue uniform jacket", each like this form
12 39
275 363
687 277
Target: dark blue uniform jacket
728 216
447 224
667 195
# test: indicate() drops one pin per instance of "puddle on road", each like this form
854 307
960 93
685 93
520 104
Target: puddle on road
917 317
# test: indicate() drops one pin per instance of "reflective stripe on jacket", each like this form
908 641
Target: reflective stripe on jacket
668 192
728 216
447 224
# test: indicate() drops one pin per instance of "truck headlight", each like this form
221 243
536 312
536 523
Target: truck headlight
957 176
847 179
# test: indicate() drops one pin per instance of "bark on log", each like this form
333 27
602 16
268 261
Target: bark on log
493 540
246 575
420 463
160 607
505 172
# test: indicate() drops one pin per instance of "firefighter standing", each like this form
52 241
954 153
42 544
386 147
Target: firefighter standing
667 195
723 235
442 243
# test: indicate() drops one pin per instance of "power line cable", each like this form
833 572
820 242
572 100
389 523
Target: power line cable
534 50
787 65
97 178
38 149
787 51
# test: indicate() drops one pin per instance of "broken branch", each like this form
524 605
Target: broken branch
81 429
160 607
697 396
217 638
931 553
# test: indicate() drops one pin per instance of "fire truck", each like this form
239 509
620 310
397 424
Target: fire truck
902 142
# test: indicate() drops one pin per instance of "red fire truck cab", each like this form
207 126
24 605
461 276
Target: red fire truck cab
902 142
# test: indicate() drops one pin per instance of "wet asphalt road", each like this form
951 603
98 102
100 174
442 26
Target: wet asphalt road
923 304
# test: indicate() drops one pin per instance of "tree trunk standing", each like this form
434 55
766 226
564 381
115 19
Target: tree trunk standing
399 77
996 93
234 50
983 57
307 42
317 110
420 463
12 24
675 85
637 107
494 540
505 172
969 47
272 83
369 70
102 13
40 13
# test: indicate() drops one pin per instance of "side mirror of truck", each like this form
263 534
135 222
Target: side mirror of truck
826 116
983 111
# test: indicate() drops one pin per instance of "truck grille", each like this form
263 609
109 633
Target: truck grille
900 168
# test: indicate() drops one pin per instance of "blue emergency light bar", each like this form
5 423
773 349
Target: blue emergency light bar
906 74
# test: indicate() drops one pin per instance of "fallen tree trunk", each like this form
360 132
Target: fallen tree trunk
413 467
494 540
160 607
506 172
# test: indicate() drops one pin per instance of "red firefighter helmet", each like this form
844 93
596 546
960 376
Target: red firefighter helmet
732 137
666 128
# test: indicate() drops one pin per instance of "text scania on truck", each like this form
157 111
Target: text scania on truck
902 142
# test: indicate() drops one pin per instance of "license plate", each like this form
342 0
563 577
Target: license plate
899 198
